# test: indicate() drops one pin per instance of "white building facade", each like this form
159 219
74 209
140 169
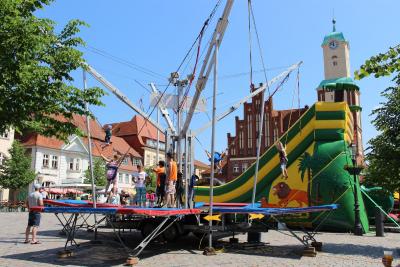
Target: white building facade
66 165
6 140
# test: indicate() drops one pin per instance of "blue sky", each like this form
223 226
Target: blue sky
156 34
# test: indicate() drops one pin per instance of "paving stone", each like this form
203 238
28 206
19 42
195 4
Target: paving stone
339 249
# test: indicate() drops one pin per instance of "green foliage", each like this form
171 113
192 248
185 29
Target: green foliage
384 150
35 66
99 173
383 64
16 171
151 183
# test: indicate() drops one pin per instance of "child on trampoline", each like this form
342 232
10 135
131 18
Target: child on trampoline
111 172
218 157
161 177
140 186
282 158
172 177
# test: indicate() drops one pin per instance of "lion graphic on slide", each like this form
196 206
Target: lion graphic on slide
286 194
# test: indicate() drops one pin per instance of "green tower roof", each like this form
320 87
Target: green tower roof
344 83
333 35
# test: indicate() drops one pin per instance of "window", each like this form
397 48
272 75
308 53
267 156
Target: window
4 135
154 160
2 158
258 116
266 130
276 132
77 164
125 161
119 177
235 169
71 164
249 131
240 139
339 95
126 178
244 166
54 162
147 161
137 161
45 161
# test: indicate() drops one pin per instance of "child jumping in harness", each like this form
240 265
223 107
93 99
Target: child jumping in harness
107 138
282 158
218 157
111 172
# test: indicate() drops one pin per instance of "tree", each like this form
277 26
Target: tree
35 65
384 150
16 171
98 172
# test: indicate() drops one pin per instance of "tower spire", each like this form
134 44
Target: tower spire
334 21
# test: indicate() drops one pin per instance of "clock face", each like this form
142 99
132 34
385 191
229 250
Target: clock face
333 44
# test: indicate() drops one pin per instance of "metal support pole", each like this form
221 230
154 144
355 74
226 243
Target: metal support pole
213 143
158 137
179 126
357 222
192 170
90 156
185 173
260 133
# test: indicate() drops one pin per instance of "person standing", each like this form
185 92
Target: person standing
172 177
140 186
34 199
44 193
161 177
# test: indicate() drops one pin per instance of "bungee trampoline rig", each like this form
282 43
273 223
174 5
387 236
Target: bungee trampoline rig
324 131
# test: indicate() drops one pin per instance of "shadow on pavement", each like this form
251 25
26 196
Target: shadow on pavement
110 252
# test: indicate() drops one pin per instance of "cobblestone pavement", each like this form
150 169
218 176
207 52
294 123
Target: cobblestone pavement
338 249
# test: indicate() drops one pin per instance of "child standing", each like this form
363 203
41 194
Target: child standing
139 179
282 158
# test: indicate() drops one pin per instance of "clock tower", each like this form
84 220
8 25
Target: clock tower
338 86
336 55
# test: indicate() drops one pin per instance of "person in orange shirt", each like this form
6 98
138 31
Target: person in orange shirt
161 177
172 177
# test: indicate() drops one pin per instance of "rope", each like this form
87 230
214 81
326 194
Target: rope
379 207
198 39
180 65
298 94
123 62
290 116
264 69
249 31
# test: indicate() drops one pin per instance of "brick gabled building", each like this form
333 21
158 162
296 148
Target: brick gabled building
142 136
242 146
